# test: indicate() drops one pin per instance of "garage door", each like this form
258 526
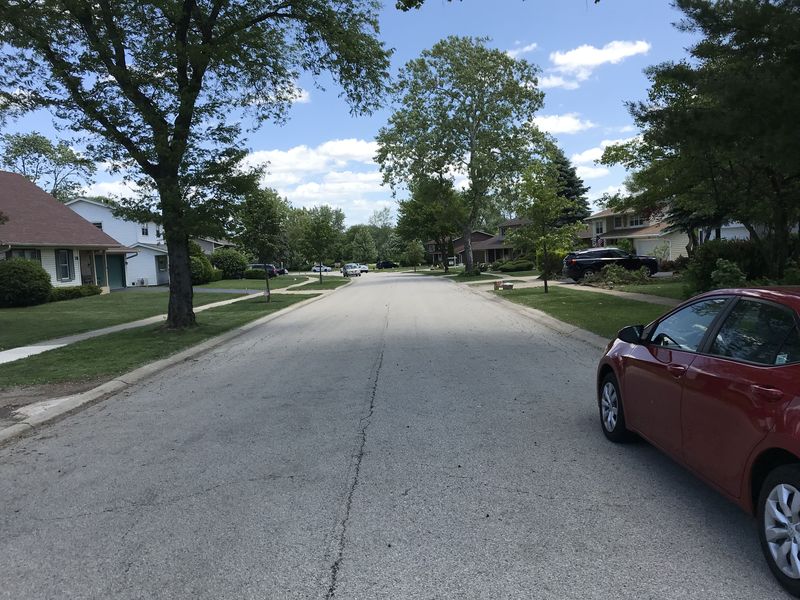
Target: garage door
647 246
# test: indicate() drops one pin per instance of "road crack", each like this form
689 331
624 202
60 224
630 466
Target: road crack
364 423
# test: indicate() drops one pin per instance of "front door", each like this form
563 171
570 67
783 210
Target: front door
116 271
655 371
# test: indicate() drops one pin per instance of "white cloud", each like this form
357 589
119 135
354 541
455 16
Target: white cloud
585 172
566 123
303 97
581 61
593 154
556 81
517 52
113 189
627 129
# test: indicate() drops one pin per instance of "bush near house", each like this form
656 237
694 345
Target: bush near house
72 292
254 274
745 254
231 262
520 264
202 271
23 283
614 275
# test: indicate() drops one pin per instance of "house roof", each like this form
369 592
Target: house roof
514 222
35 218
494 243
161 248
217 241
89 201
656 230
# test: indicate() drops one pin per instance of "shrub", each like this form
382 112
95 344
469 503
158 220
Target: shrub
552 266
231 262
516 265
254 274
666 265
23 283
201 268
680 263
76 291
743 253
727 274
612 275
218 275
791 275
626 245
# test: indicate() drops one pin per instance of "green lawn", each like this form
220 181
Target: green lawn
602 314
667 289
328 283
31 324
482 277
516 274
109 355
276 283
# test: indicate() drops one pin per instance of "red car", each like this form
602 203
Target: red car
715 384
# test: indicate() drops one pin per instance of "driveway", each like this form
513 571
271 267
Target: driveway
401 438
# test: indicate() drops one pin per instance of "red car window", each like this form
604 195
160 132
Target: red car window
756 332
686 328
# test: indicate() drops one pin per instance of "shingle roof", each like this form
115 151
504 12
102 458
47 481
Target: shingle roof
495 242
35 218
639 232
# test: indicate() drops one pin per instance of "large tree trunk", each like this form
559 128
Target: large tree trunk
468 262
267 291
180 312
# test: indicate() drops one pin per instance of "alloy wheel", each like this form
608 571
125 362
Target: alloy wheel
782 528
609 404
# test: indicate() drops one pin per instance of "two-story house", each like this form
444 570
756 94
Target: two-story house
148 264
608 227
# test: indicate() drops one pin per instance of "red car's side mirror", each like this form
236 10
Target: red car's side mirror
632 334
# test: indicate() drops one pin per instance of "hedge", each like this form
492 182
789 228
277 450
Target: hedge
72 292
23 283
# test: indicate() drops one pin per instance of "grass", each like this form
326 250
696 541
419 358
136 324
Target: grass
517 274
328 283
482 277
31 324
667 289
276 283
110 355
602 314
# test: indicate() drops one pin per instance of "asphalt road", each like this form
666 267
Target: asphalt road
401 438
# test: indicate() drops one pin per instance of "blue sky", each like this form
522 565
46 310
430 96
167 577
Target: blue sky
592 58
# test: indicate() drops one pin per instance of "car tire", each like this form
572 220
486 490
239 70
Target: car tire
612 416
587 273
779 526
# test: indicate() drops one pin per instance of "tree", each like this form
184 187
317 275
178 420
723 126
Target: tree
322 230
571 188
464 109
362 248
261 228
381 226
414 254
434 212
719 132
56 168
540 203
162 86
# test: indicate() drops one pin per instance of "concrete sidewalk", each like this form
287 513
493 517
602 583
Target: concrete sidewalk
20 352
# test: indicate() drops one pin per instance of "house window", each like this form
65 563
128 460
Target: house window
618 223
98 225
65 270
161 263
145 231
158 233
598 227
26 253
636 221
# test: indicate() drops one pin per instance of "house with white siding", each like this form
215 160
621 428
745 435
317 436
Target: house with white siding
38 227
148 264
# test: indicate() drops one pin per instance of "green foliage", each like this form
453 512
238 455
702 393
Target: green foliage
231 263
70 293
743 253
727 275
323 227
217 275
571 188
463 103
201 269
254 274
56 168
791 276
613 275
720 133
362 246
550 265
414 254
515 265
260 223
23 283
626 245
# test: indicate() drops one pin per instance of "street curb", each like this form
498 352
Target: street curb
592 339
59 408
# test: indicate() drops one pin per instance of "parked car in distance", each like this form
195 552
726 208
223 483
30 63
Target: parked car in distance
715 384
282 270
386 264
578 265
320 269
270 269
364 268
351 270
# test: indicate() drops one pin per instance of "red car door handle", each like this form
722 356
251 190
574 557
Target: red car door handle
766 392
676 370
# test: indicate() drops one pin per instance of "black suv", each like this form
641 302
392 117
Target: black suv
386 264
578 265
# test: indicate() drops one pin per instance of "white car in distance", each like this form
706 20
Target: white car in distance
320 269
